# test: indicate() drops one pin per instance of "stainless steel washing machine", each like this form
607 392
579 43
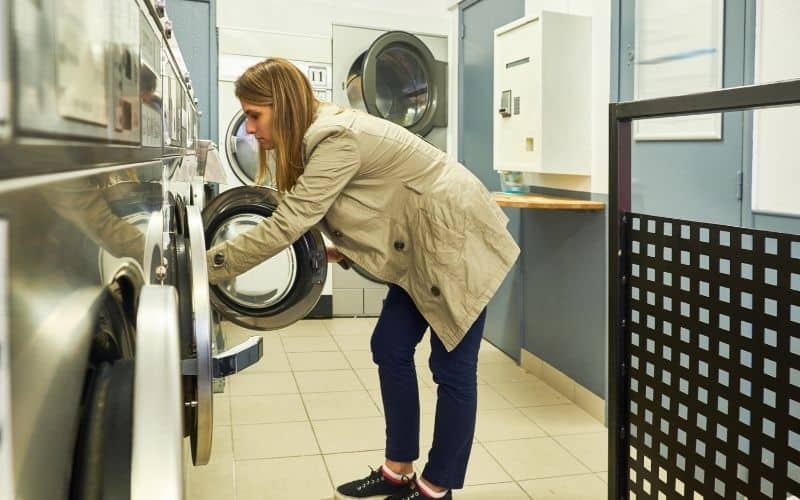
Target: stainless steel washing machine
396 75
109 336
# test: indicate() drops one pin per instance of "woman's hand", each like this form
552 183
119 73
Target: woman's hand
335 257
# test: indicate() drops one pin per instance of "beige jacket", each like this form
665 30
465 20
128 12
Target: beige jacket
396 206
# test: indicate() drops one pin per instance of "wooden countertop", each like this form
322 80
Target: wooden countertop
544 202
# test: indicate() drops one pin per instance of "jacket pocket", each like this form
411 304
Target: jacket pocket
440 243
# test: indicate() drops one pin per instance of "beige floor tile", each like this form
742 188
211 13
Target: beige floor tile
377 398
498 491
353 342
221 446
351 326
534 458
273 360
306 328
529 393
369 377
255 384
298 478
563 419
222 410
269 409
483 468
315 361
210 482
494 356
328 381
273 440
590 449
360 359
421 358
603 476
339 405
345 467
489 399
583 487
309 344
498 373
357 434
500 425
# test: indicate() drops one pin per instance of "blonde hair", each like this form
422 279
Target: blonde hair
278 83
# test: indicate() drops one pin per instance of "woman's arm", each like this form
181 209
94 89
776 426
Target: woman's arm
331 165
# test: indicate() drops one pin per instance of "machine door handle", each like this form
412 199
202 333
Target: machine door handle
239 357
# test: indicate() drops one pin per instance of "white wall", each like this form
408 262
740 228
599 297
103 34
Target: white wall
776 168
315 17
600 12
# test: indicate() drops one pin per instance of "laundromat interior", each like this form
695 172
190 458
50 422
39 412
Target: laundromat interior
340 249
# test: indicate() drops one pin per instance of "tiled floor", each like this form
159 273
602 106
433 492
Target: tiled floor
309 416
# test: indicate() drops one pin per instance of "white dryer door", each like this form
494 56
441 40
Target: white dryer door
398 79
242 151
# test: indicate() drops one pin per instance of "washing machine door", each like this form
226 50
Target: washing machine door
278 292
242 151
398 79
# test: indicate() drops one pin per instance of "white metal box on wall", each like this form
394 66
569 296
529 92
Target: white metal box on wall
543 95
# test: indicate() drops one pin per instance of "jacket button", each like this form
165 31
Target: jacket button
219 259
399 246
337 233
435 291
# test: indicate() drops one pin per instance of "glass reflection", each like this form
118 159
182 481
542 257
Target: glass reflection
402 86
264 285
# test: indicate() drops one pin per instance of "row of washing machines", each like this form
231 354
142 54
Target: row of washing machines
110 341
111 347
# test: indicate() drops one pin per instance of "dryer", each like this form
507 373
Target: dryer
237 147
396 75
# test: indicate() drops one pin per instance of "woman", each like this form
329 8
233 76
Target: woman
407 214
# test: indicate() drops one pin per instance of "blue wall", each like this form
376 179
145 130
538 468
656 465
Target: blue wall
478 20
195 26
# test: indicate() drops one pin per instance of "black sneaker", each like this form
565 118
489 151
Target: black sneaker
412 492
374 486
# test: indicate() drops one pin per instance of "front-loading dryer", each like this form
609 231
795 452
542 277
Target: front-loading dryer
395 75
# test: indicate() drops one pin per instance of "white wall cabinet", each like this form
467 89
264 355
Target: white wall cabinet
543 95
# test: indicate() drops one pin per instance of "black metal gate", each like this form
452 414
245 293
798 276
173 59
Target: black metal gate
704 329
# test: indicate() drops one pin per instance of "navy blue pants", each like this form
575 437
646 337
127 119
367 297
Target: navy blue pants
400 328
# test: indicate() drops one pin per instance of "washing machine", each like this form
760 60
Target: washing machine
239 152
401 77
396 75
238 148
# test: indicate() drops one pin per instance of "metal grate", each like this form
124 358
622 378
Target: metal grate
714 361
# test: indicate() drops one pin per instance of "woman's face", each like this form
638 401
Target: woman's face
258 122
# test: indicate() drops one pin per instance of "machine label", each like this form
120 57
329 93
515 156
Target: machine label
82 46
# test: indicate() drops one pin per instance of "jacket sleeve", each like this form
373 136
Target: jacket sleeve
332 163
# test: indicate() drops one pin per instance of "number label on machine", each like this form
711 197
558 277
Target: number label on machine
6 468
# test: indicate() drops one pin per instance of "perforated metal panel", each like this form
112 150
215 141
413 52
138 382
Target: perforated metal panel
714 361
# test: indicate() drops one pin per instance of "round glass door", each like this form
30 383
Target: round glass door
243 153
398 79
402 85
277 292
268 283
